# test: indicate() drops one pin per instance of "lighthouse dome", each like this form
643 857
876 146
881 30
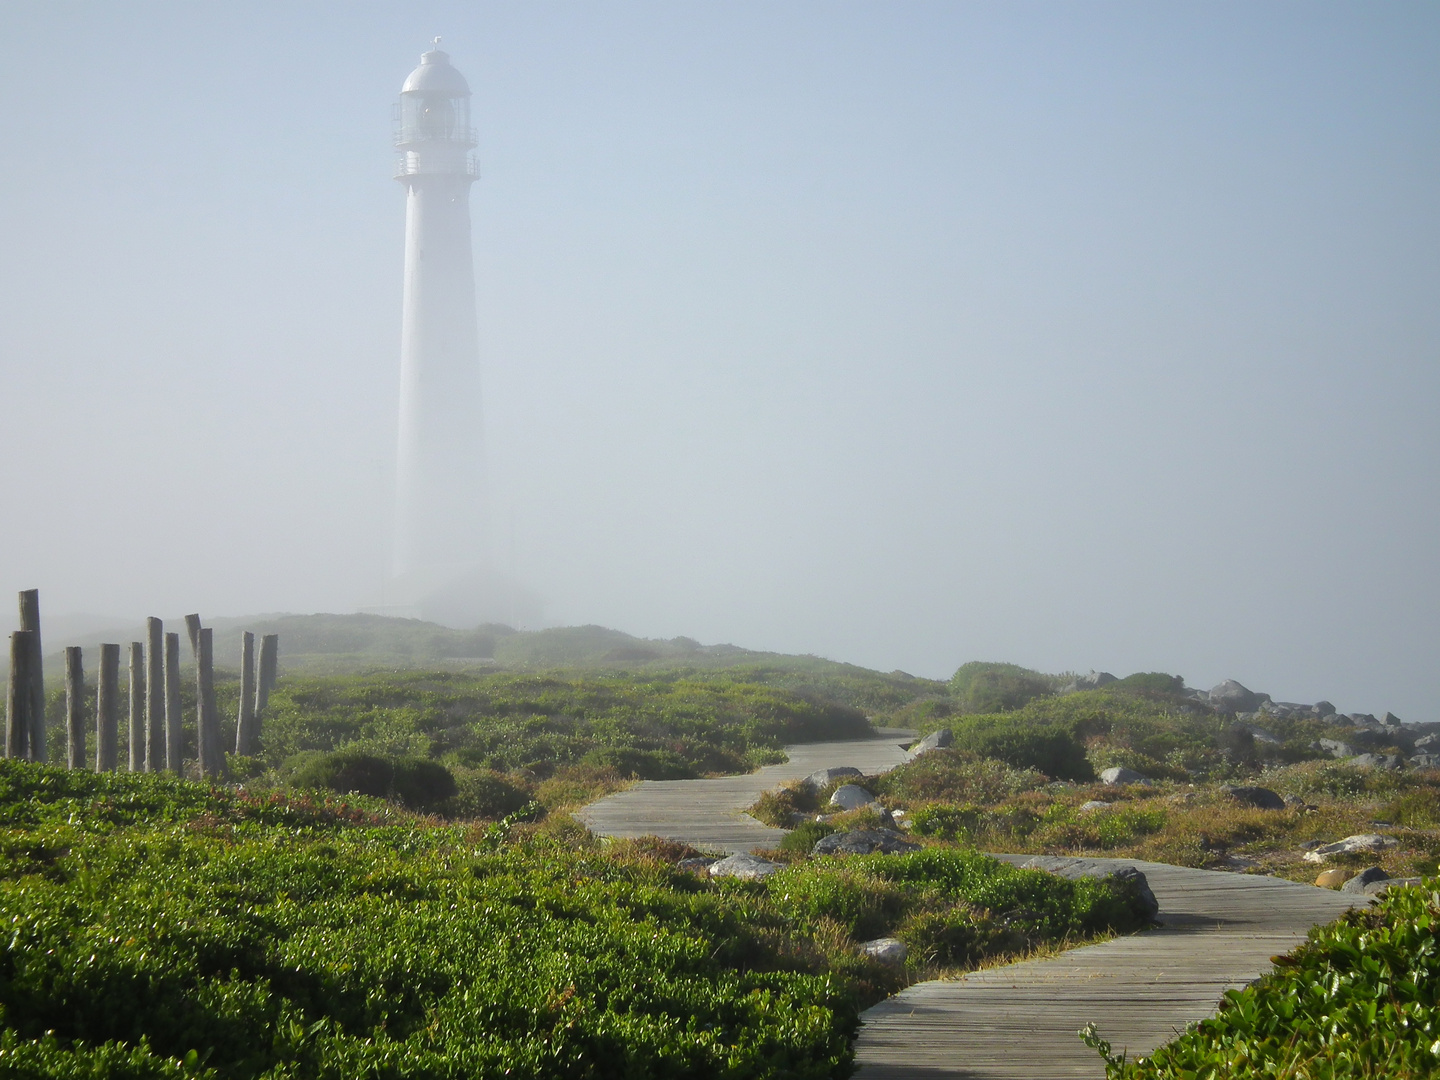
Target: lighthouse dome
435 77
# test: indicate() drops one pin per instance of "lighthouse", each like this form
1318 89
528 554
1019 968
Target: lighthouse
440 524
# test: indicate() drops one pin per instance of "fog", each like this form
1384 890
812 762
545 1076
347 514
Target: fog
1077 336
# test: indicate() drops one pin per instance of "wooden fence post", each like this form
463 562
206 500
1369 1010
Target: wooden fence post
30 621
74 707
192 628
208 725
137 707
269 667
107 708
245 718
19 700
154 695
174 722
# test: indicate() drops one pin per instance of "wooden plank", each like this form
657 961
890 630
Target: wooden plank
154 695
174 720
107 709
18 699
245 715
212 761
74 707
137 707
710 814
36 748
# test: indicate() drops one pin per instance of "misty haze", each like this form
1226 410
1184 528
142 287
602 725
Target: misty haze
870 496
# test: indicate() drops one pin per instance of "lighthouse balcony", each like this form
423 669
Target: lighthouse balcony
408 167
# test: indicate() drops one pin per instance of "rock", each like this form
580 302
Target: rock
1378 888
744 866
1323 708
934 741
887 950
1376 761
1121 775
1295 802
1363 720
699 865
1428 742
1093 681
1063 866
1093 804
1336 748
1260 735
1424 761
823 778
864 842
1391 720
1230 697
1332 878
1260 797
851 797
1360 842
1311 845
1368 876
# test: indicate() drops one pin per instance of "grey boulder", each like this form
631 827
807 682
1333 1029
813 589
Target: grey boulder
1366 877
1323 708
1093 681
1262 798
1377 761
1360 842
1377 888
851 797
1424 761
887 950
700 864
864 842
744 866
1428 742
934 741
1230 697
1121 775
1093 804
1336 748
1073 869
823 778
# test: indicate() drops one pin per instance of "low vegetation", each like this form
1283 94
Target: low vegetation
161 927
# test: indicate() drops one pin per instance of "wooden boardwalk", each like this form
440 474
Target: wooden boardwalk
710 814
1218 931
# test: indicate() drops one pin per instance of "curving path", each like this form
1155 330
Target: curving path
1218 931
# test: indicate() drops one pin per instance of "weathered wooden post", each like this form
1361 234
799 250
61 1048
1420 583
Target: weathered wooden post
137 707
74 707
208 725
269 666
107 709
154 695
18 700
245 718
174 722
30 622
192 628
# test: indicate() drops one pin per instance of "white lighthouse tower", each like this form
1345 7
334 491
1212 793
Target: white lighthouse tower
441 529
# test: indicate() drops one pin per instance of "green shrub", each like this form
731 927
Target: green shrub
806 835
1051 749
955 776
983 687
945 822
484 794
414 782
1153 682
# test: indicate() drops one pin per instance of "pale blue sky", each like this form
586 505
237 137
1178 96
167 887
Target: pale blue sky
1070 334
